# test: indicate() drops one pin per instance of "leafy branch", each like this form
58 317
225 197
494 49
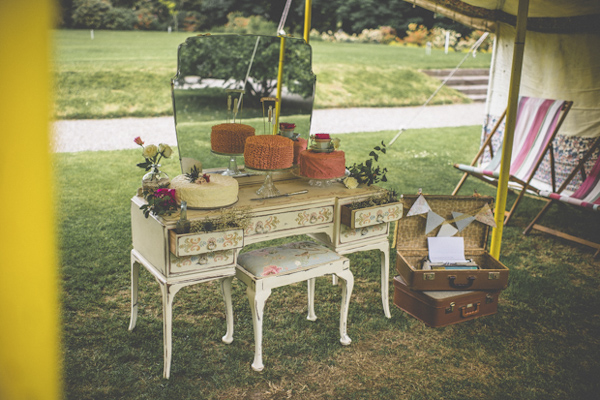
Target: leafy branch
366 172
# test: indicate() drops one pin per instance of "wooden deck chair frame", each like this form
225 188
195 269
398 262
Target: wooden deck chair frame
525 185
579 168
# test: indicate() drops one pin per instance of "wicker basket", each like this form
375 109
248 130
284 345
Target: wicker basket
411 246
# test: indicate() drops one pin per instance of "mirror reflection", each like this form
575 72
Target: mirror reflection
233 78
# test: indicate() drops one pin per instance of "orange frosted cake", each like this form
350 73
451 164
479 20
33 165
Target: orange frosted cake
299 145
230 138
322 165
269 152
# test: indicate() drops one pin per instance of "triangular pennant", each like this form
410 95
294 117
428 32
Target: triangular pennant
433 221
420 206
463 221
485 216
447 230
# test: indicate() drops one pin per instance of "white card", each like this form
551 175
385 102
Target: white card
446 249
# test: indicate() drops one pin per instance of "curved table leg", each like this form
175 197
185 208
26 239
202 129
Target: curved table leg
168 295
385 279
135 275
226 292
347 284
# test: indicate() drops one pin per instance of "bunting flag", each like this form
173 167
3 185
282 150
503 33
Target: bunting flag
433 221
420 206
485 216
462 220
447 230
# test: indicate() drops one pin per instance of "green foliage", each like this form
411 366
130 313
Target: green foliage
367 173
118 18
90 13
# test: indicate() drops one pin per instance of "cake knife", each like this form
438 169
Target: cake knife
281 195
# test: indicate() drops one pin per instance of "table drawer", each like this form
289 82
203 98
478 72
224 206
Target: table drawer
289 220
200 262
348 234
370 216
189 244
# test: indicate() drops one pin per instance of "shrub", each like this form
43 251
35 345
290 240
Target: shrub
438 37
255 24
416 34
121 19
90 13
146 20
190 21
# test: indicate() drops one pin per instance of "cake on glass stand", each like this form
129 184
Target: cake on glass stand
268 188
232 168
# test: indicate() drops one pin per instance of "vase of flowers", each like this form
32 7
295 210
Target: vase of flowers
154 177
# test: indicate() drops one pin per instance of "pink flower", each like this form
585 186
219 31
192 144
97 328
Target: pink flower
271 270
322 136
168 194
138 140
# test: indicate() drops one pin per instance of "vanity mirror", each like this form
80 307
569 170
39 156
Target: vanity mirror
234 78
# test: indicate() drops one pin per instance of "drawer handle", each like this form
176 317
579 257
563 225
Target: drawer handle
259 227
203 259
364 231
212 244
465 314
455 285
379 218
313 219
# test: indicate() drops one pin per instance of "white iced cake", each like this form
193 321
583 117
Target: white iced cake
206 191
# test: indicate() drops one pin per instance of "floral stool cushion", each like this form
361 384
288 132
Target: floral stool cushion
286 258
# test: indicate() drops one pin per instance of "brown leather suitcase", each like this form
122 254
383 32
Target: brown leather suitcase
442 308
411 247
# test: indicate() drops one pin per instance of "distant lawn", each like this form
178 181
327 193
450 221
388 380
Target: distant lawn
125 74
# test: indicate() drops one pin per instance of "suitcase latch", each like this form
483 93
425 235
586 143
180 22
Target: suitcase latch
429 276
489 298
494 276
451 308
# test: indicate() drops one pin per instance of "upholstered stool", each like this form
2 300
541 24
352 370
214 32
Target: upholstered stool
265 269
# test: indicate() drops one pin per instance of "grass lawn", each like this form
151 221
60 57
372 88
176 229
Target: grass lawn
127 74
542 344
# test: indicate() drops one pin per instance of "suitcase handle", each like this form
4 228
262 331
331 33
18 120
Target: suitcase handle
455 285
465 314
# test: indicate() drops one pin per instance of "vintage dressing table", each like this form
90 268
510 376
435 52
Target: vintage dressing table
206 77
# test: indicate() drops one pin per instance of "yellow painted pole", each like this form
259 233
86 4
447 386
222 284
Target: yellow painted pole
279 84
509 129
29 306
307 19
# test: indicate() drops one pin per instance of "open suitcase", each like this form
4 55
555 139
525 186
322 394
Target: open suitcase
411 247
442 308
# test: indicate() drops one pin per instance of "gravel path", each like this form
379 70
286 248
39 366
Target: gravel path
115 134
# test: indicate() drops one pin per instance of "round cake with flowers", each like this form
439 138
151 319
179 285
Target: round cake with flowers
205 190
230 138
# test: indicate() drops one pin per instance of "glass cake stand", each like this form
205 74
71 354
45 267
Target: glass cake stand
318 182
268 188
232 168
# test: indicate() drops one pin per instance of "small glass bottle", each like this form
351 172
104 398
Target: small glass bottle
183 224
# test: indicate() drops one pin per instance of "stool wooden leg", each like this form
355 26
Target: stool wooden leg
257 301
168 295
347 285
311 299
226 292
135 274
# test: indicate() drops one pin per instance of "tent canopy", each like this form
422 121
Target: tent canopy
557 16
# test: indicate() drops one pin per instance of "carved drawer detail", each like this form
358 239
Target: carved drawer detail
204 242
348 234
199 262
371 215
288 220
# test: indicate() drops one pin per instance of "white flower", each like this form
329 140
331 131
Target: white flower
165 149
350 182
150 151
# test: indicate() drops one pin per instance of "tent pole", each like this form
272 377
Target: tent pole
279 85
509 130
307 19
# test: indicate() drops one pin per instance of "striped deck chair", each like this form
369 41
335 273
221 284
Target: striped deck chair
538 121
587 196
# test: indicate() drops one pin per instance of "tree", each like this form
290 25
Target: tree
90 13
